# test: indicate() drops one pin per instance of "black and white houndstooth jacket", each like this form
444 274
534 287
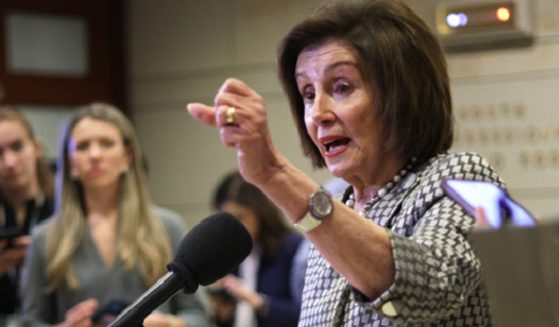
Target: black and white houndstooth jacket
437 281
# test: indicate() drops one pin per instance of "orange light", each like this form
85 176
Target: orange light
503 14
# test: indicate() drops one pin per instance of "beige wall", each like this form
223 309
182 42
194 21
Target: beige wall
182 50
506 104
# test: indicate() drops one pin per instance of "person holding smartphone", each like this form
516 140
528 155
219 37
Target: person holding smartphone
26 199
490 204
107 241
265 290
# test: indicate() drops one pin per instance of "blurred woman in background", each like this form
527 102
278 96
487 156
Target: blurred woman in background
268 284
26 191
107 241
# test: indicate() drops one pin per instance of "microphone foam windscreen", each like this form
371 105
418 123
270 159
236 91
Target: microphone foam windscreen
214 247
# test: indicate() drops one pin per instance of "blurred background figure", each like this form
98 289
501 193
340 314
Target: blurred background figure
26 191
336 186
107 242
266 289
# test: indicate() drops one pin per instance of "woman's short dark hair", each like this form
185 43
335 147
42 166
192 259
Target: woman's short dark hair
401 60
273 226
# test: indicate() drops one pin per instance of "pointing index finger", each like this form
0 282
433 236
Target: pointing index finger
236 86
202 113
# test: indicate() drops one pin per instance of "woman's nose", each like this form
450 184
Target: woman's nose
9 158
94 151
322 110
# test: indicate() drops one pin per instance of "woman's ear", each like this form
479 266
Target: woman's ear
74 174
129 159
39 148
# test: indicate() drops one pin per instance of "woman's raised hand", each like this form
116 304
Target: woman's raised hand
240 115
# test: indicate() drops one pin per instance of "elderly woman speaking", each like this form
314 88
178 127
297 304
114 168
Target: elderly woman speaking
369 90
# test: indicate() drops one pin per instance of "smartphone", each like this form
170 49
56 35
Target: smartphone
497 204
10 233
108 312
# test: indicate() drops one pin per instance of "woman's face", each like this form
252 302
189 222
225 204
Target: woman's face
18 156
339 110
246 216
97 153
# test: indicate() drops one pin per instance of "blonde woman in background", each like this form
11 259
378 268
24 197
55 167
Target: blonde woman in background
26 191
107 240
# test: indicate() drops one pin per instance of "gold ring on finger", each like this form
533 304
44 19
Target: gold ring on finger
230 116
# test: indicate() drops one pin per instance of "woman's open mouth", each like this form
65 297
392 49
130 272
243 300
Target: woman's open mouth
336 146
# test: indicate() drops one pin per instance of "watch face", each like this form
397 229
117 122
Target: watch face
320 204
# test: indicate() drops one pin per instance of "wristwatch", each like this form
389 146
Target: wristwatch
320 207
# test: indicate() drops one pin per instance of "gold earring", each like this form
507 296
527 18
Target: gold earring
74 175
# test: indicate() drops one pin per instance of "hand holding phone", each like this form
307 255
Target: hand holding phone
12 252
498 207
9 234
80 314
108 312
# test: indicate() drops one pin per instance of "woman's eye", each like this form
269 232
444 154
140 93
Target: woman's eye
342 87
307 94
107 143
82 146
17 146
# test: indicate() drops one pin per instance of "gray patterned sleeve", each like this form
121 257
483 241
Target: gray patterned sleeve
437 272
436 269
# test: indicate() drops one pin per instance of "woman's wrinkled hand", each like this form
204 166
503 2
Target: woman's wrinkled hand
246 128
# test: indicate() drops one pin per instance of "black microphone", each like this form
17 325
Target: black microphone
212 249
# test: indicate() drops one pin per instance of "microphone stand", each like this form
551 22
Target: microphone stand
135 313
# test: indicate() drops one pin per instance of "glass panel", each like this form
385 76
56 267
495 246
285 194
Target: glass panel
48 122
46 44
